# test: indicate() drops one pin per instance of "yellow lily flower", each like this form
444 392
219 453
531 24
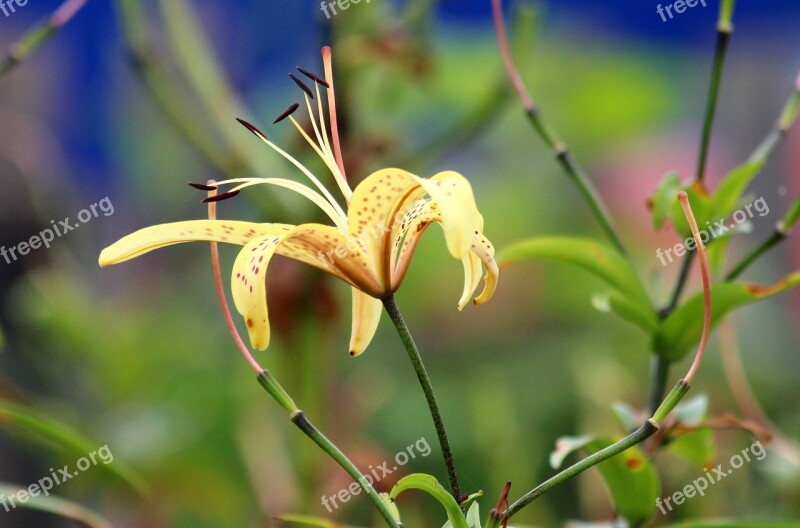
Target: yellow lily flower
369 246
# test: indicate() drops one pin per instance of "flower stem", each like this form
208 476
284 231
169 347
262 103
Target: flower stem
39 34
660 373
724 31
298 418
676 394
573 170
776 238
416 360
280 395
642 433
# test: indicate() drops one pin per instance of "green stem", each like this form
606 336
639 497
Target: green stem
724 31
660 373
573 170
642 433
298 417
39 34
776 238
416 360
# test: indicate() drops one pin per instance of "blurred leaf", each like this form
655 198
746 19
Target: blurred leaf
631 479
792 215
693 411
626 415
58 506
308 520
662 200
720 524
566 445
730 190
697 447
622 306
683 328
473 517
598 258
430 485
701 206
66 437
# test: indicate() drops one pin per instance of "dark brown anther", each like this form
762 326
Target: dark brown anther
203 186
302 85
314 77
286 113
252 128
220 197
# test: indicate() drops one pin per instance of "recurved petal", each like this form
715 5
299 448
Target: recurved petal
154 237
472 277
366 315
485 251
314 244
452 194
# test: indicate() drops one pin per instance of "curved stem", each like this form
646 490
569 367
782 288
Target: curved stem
416 360
298 418
660 373
573 170
280 395
642 433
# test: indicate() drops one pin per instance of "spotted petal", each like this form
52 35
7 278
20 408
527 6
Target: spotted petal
315 244
150 238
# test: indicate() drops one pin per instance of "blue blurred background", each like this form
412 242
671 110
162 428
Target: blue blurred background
136 356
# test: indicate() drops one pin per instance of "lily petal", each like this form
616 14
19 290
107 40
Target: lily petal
485 251
150 238
366 315
460 217
318 245
472 277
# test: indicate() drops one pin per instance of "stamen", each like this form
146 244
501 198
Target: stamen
252 128
314 77
220 197
302 85
203 186
286 113
337 148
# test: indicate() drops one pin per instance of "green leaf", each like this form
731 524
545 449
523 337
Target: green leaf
598 258
700 200
697 447
662 200
565 446
627 416
631 479
430 485
693 411
683 328
57 506
730 190
308 520
474 516
720 524
624 308
66 437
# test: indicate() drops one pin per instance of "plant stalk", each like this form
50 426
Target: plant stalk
427 388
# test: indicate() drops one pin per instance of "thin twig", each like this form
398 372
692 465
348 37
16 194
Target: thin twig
573 170
39 34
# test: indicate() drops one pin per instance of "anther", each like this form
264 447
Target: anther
220 197
302 86
203 186
314 77
286 113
